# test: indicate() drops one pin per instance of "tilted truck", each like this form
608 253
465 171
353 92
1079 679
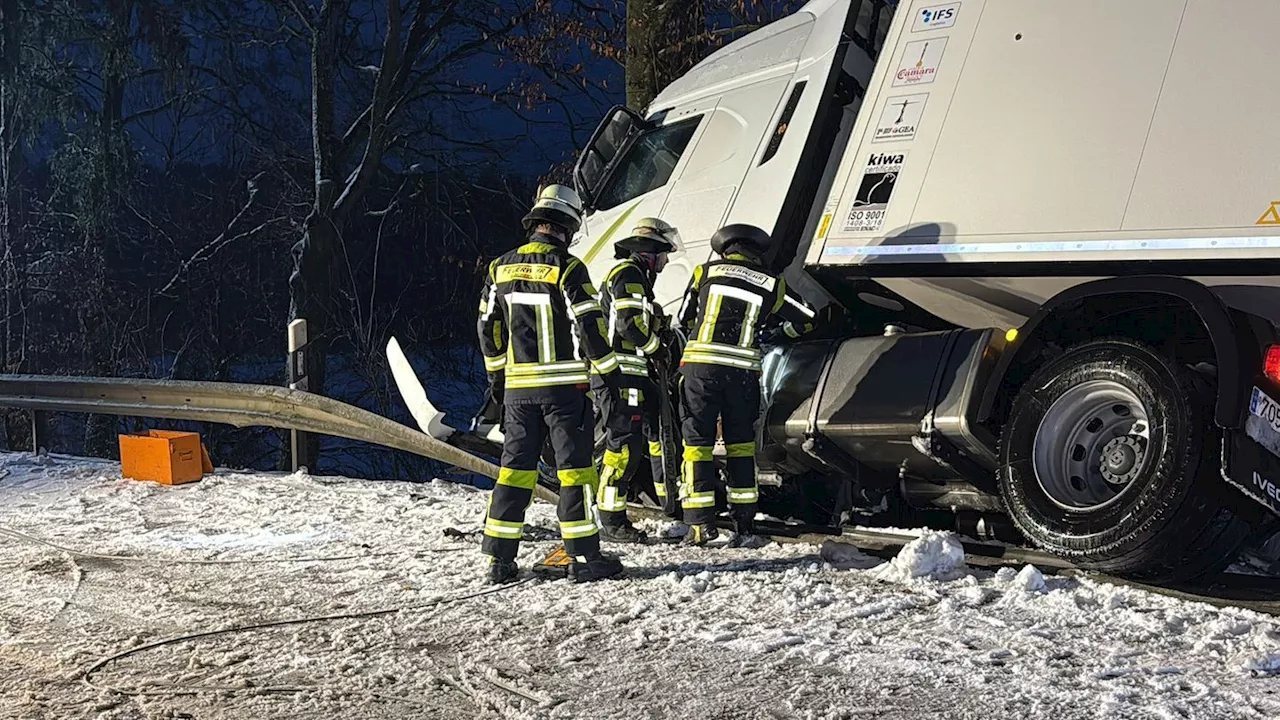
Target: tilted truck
1045 237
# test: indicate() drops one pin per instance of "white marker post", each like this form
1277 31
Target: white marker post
298 381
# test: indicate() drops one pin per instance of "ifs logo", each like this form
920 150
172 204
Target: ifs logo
936 17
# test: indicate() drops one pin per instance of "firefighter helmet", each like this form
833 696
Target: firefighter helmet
558 205
650 235
743 238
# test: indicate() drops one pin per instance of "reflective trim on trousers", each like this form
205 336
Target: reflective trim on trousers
580 529
611 500
693 453
699 500
615 466
501 529
578 477
526 479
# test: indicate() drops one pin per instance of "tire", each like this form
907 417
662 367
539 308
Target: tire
1160 513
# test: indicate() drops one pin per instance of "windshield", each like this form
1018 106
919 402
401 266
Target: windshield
648 164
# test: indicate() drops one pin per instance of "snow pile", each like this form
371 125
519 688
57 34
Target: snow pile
932 556
845 556
1268 664
1029 578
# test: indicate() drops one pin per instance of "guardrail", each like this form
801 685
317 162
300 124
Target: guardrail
238 404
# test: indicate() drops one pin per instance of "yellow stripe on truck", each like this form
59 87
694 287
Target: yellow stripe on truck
604 239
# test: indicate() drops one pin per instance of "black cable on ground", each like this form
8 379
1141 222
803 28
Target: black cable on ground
19 535
87 678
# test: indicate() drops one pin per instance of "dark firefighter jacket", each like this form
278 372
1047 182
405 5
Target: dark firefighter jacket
727 304
627 303
540 323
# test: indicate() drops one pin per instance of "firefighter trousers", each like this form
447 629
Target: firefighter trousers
730 396
631 432
571 426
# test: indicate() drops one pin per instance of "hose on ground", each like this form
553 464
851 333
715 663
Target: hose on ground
87 676
19 535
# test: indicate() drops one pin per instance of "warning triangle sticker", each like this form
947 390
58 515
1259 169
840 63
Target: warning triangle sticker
1271 216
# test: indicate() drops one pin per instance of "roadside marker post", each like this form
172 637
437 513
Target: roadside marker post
297 343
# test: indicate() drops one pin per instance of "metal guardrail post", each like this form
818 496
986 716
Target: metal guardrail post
297 342
39 431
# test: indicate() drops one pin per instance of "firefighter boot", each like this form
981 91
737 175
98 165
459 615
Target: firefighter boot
621 532
745 536
747 540
597 567
699 535
502 571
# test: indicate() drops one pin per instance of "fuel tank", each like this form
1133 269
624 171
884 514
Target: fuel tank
901 404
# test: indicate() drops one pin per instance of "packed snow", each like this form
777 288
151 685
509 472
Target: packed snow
97 566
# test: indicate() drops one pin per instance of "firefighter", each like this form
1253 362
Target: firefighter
632 417
728 303
537 309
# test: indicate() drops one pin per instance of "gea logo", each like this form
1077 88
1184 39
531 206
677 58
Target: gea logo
880 159
931 16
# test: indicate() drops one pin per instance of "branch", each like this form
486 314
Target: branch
213 246
306 21
141 114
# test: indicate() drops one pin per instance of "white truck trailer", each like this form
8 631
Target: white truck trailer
1045 236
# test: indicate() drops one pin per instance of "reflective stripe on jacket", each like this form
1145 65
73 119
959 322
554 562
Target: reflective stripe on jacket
540 323
627 303
727 304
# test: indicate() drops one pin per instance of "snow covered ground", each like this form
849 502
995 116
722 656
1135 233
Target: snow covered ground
790 631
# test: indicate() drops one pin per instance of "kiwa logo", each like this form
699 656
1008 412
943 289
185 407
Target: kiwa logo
881 159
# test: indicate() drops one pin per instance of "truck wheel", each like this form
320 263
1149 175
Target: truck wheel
1110 458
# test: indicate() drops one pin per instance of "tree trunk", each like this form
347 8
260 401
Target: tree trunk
311 291
664 40
311 282
100 343
9 62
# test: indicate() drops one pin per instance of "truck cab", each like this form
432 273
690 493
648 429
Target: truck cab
744 136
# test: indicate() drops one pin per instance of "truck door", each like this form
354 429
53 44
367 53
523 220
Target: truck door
626 172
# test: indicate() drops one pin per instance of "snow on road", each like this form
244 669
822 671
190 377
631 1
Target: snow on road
789 631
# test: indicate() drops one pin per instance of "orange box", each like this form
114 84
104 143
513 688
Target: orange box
164 456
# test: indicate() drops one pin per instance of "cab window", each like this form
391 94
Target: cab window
648 164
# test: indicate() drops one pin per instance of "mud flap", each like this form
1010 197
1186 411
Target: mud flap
1251 455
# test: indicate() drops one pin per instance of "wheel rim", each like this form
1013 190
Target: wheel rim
1091 445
